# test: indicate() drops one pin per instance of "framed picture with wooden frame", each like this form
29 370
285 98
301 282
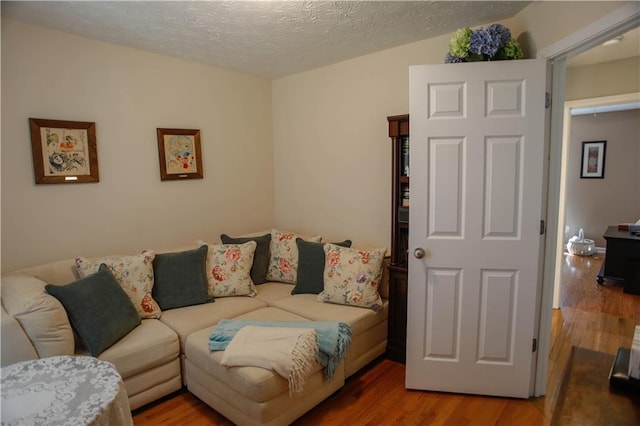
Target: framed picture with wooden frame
64 151
180 154
593 156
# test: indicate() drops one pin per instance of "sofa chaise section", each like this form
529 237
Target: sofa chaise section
252 395
189 319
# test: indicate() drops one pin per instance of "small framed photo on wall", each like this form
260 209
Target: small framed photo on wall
64 151
180 154
593 159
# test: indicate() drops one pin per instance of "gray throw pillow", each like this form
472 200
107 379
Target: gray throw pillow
179 279
260 257
99 310
311 266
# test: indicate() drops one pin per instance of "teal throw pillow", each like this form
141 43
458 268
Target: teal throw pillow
180 279
260 257
311 259
99 310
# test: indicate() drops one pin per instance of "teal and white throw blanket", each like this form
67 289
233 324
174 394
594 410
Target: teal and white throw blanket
333 338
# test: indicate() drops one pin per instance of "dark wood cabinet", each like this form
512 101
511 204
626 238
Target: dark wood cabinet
622 259
398 273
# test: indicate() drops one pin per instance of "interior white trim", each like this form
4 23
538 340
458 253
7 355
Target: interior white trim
597 109
617 22
602 101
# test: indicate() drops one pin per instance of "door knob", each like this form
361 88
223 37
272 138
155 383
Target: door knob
418 253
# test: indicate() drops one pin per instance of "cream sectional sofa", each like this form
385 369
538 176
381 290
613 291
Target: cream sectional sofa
160 356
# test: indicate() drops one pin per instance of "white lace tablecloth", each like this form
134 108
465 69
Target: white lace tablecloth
64 390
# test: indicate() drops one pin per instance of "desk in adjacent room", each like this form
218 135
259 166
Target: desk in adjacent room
622 260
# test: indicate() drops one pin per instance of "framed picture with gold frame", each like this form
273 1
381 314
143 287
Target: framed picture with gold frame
64 151
180 154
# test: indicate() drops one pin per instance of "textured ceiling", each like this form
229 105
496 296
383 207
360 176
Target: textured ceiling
266 38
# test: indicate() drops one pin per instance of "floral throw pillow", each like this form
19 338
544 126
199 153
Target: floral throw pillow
283 259
133 273
229 269
352 276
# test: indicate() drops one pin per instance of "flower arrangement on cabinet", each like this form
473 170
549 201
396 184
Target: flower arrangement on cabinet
493 43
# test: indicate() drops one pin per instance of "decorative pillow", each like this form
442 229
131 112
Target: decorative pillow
229 269
135 275
352 276
283 261
260 258
41 316
100 311
311 266
180 278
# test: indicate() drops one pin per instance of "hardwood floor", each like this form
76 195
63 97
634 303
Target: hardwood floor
601 318
591 316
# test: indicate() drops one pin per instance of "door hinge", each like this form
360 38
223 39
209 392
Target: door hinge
547 100
535 345
542 227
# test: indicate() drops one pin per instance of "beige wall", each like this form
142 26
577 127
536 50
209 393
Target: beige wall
128 94
332 153
594 204
604 79
332 162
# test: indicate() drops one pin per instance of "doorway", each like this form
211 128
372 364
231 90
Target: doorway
616 23
592 106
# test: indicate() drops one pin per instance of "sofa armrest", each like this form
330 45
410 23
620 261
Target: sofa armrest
15 345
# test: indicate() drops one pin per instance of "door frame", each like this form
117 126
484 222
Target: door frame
618 22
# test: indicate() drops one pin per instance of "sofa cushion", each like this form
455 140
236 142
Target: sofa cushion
256 383
133 273
180 278
185 321
149 345
41 316
311 258
369 327
228 269
269 292
21 348
283 260
352 276
306 305
261 255
99 309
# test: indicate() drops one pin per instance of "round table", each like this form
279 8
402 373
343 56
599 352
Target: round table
64 390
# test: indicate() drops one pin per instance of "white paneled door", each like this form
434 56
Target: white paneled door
477 144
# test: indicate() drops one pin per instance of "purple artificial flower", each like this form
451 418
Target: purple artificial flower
450 59
482 43
500 33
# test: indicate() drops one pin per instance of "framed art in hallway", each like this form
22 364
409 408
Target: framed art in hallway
180 154
64 151
593 158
